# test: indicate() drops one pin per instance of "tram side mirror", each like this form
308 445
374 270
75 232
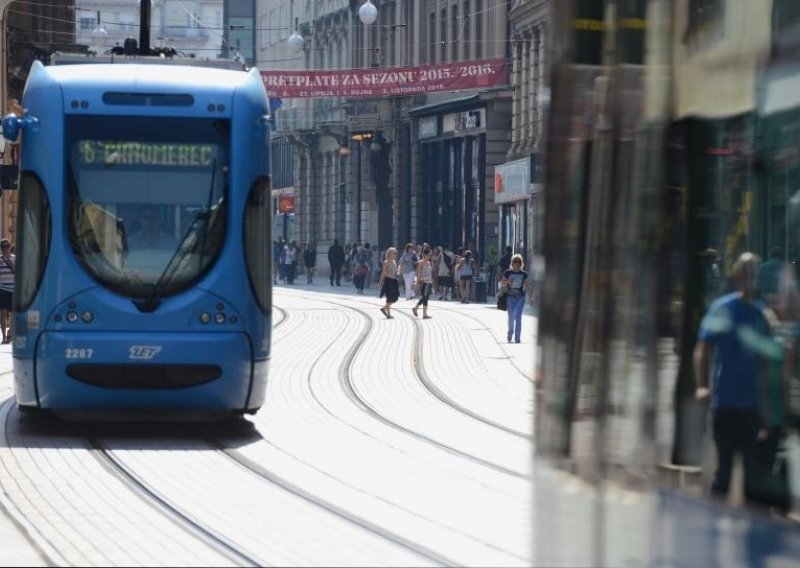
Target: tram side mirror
12 124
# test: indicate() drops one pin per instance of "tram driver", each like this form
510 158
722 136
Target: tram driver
151 233
151 247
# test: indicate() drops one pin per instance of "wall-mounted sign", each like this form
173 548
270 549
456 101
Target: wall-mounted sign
512 181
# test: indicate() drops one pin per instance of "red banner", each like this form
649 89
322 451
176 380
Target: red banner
388 81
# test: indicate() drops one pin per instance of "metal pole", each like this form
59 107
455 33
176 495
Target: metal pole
358 192
312 161
144 27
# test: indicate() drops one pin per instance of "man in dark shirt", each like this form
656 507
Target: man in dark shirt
336 259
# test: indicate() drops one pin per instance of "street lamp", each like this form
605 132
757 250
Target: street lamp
99 36
368 13
296 41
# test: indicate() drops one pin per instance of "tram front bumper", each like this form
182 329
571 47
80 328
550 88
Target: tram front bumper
114 370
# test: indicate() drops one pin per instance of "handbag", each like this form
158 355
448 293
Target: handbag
502 299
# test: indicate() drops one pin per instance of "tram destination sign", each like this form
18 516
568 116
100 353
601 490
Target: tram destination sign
107 153
384 82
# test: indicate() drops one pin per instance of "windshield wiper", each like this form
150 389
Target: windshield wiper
151 303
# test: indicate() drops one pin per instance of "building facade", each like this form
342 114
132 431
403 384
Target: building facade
364 166
519 180
32 32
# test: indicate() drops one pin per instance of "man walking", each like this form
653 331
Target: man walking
737 327
336 259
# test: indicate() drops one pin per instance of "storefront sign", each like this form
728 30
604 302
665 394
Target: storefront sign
464 121
428 127
512 181
469 120
384 82
286 204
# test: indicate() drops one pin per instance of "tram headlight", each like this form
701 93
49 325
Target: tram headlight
205 317
220 317
87 317
72 317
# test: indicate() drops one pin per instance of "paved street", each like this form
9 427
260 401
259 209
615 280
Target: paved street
382 442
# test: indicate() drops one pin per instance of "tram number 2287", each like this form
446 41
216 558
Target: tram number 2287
73 353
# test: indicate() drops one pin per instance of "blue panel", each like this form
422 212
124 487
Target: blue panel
56 350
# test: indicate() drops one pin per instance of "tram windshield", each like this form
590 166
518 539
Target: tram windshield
147 200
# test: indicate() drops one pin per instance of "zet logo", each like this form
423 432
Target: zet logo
143 351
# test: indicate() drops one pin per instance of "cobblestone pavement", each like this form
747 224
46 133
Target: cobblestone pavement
382 442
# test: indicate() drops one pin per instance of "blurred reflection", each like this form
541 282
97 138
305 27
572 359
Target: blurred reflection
767 279
746 388
712 275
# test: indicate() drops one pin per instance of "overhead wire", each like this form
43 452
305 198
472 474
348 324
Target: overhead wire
211 28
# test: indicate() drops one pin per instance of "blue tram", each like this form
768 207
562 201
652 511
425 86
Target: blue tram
143 285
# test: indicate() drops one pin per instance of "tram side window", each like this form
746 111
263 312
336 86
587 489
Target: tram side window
33 239
257 239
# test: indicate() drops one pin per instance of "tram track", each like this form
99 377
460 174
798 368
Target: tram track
284 316
264 473
236 553
425 379
351 389
394 504
260 474
484 327
430 386
8 508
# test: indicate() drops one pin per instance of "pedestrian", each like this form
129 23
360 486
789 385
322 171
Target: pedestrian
408 267
347 267
424 275
336 260
436 262
390 288
7 270
457 273
466 270
446 273
310 261
277 252
290 261
360 268
370 265
515 281
505 262
737 327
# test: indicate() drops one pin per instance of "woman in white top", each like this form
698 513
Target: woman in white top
425 282
466 269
